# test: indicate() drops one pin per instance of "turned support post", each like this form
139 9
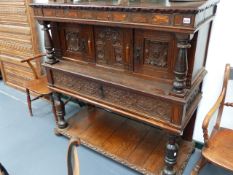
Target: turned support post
170 156
50 59
181 65
60 111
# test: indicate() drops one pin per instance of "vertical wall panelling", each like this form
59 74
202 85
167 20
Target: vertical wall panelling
18 40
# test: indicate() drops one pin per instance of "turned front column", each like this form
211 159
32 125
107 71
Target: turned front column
48 43
181 65
60 111
170 156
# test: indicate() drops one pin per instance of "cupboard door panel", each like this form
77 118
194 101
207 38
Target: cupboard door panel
112 46
153 53
78 42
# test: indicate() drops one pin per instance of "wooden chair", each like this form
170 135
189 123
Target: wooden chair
38 86
218 147
72 157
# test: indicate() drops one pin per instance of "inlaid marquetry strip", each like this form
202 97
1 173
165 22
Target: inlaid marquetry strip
112 16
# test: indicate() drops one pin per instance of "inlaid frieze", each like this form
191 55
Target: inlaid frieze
151 107
156 53
114 16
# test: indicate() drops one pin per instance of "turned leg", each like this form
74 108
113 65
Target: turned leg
201 162
53 107
60 111
29 102
170 156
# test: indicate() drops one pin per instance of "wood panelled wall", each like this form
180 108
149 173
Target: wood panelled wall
18 40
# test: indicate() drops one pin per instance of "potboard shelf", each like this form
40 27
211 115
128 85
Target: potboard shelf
136 145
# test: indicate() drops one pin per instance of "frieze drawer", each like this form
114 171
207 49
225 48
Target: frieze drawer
125 99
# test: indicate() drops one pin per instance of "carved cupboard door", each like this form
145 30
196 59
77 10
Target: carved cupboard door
153 53
113 47
77 42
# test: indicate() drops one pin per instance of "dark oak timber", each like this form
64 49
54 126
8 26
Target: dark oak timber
143 61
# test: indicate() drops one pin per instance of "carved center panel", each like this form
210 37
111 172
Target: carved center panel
109 45
156 53
150 107
74 42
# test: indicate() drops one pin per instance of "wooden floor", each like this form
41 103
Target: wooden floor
134 144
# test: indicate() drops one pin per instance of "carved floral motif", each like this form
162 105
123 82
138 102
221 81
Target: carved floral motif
150 107
156 53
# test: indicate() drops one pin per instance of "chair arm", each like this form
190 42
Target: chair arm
32 58
36 76
72 157
210 114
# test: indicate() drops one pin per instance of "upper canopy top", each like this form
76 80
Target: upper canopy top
134 5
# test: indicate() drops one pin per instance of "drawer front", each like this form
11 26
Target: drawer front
125 99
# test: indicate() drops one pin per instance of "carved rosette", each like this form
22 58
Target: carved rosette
181 67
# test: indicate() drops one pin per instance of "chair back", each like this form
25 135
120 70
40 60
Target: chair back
228 75
72 157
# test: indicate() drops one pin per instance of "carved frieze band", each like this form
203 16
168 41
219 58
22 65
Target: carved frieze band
151 107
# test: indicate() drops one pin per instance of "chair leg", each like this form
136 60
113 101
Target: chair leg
199 165
29 102
53 107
